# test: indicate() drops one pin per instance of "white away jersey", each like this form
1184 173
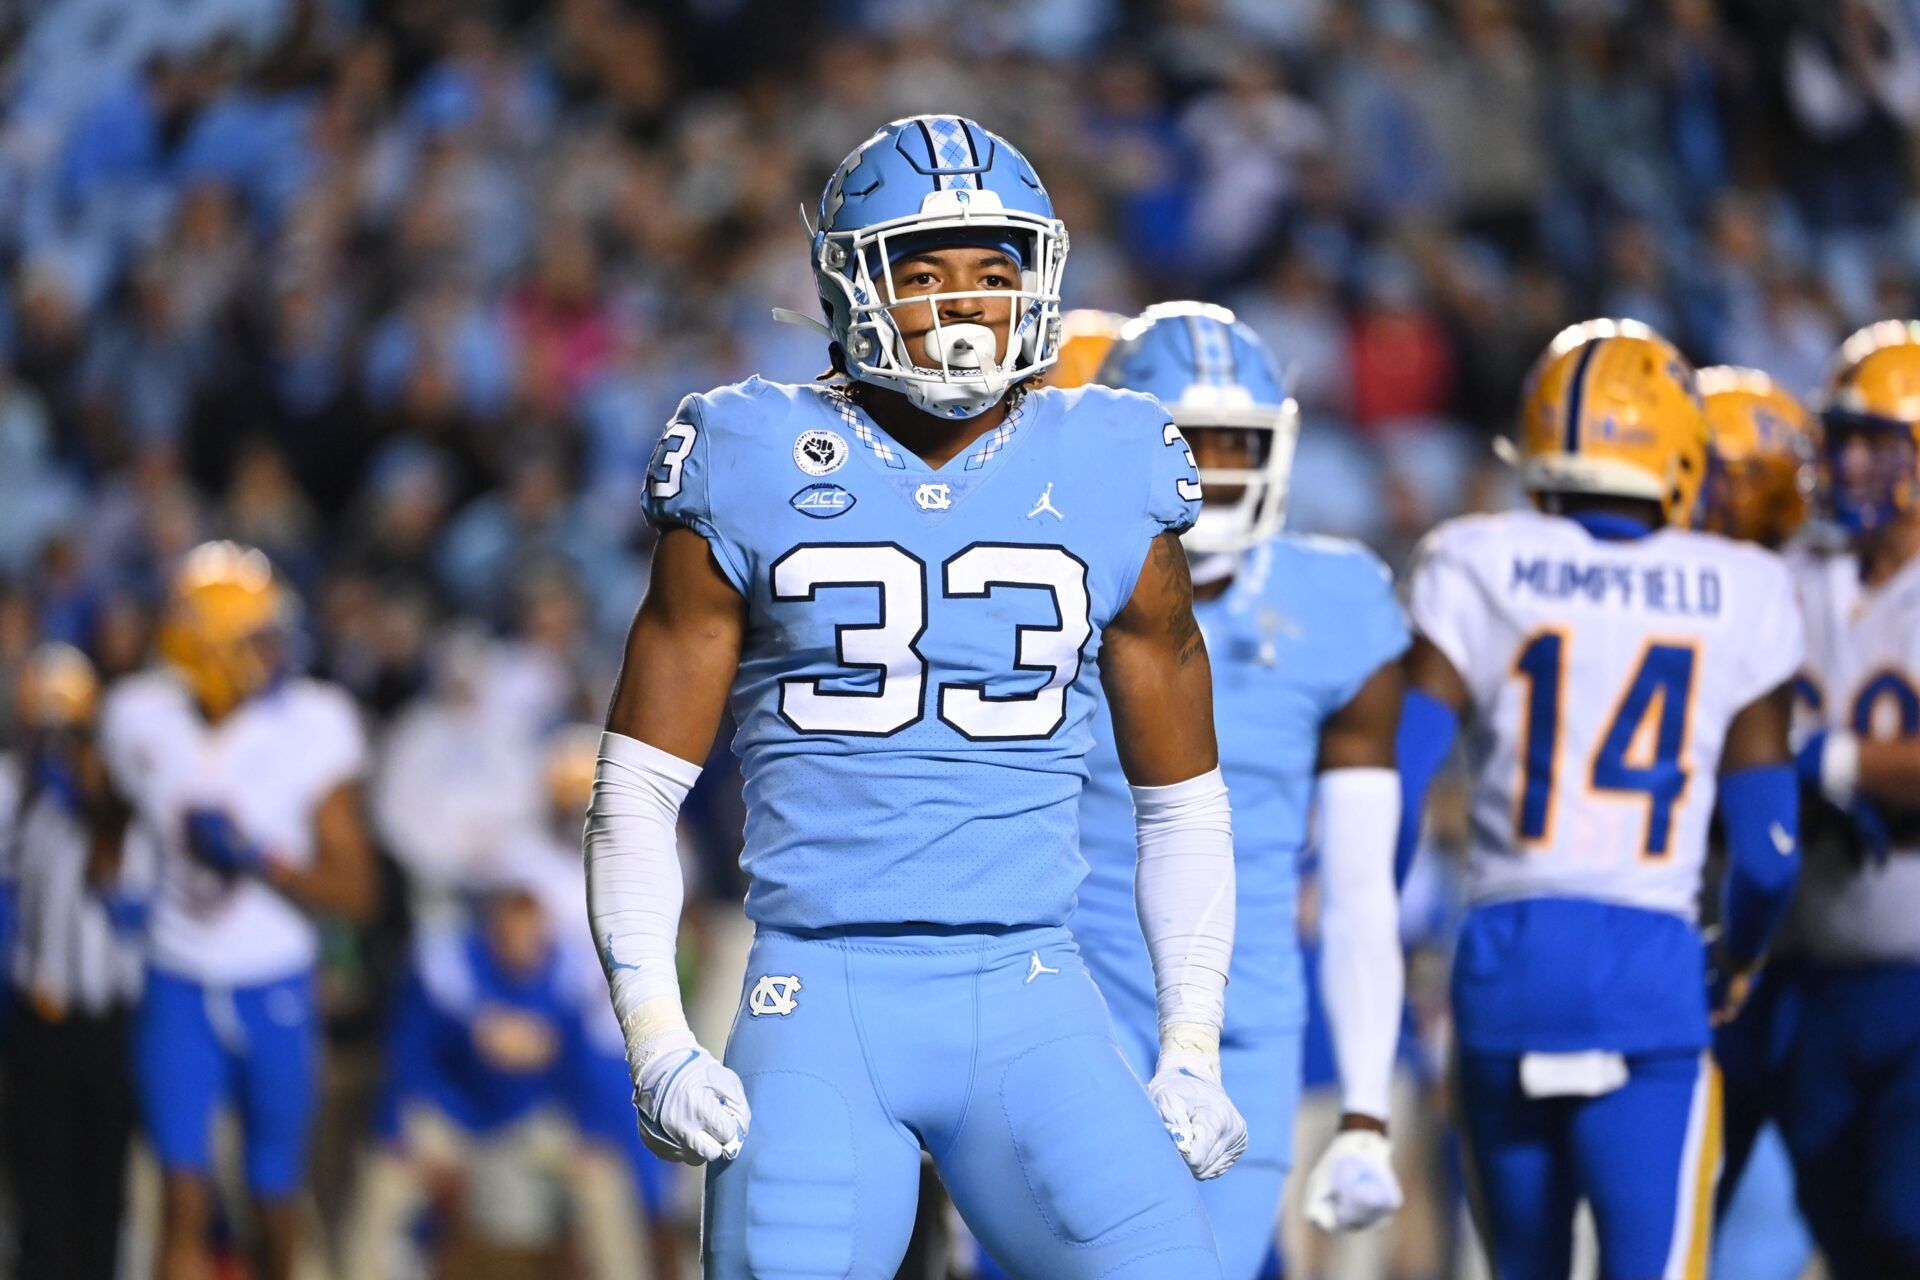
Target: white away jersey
269 764
1602 677
1862 674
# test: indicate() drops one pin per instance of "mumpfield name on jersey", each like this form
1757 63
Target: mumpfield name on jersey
1682 590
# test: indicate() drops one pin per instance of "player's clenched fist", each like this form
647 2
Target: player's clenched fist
1353 1186
1205 1125
692 1108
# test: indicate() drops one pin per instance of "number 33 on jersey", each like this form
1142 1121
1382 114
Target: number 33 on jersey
922 645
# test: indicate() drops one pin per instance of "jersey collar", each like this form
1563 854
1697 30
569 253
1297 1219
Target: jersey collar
1611 526
895 456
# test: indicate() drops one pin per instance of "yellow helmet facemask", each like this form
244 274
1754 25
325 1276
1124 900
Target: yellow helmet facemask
1611 408
1760 456
1873 394
224 606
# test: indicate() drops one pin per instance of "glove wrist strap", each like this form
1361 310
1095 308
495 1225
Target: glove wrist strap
1192 1039
653 1027
1840 768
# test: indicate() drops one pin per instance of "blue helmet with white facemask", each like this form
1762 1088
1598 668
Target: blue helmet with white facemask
937 182
1214 374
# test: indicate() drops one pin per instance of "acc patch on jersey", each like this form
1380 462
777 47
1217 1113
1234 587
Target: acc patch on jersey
774 994
820 452
822 501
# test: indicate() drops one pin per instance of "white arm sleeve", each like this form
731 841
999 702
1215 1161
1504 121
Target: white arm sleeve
634 888
1183 891
1362 972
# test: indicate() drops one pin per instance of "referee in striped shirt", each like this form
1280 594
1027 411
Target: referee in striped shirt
81 883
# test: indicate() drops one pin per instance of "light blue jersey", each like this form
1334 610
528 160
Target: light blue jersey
1304 624
918 685
913 706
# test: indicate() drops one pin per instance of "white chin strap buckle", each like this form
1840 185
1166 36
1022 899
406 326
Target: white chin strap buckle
963 348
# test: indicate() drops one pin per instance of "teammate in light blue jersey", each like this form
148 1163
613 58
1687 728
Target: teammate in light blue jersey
908 583
1305 637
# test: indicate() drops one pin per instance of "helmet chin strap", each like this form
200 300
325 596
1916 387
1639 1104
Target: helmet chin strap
1220 530
1209 567
967 399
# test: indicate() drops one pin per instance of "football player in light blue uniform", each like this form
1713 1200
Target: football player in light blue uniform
907 584
1305 637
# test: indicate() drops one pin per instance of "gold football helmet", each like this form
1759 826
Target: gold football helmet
1873 393
57 688
224 604
1761 444
1086 336
1612 408
573 753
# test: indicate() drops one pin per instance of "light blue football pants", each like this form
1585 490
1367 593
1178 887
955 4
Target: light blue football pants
1262 1075
992 1051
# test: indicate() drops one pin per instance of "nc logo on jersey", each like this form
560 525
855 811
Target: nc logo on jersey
822 501
773 994
933 497
819 452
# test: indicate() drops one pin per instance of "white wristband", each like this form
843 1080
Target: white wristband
1840 767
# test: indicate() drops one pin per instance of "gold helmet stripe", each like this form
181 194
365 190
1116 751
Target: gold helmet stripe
1577 393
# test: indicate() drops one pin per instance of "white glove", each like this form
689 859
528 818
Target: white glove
1353 1187
1207 1129
692 1108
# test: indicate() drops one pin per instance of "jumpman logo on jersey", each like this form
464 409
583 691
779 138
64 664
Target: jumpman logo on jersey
1046 504
1035 969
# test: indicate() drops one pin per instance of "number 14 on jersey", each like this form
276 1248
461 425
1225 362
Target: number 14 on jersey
1639 753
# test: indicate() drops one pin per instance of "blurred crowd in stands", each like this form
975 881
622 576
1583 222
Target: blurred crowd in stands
402 291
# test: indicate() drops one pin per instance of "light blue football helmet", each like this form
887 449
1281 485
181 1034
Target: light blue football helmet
1214 374
938 181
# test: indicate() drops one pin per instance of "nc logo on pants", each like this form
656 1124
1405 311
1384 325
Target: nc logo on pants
773 994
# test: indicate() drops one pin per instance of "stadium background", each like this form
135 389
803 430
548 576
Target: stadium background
403 291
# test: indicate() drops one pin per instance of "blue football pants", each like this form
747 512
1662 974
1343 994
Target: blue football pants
1645 1157
1262 1076
1848 1102
1760 1233
197 1048
990 1050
